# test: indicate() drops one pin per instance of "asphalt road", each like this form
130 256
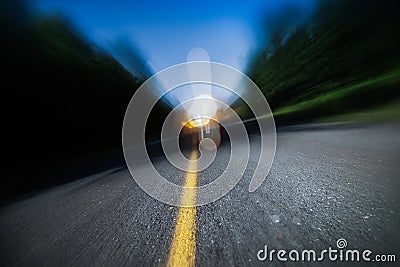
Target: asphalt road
326 183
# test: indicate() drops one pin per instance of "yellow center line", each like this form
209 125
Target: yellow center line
183 247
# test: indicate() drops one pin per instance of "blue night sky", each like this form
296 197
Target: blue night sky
165 31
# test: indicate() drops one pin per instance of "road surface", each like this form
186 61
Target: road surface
325 184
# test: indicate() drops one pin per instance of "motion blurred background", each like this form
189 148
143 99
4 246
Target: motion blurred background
70 68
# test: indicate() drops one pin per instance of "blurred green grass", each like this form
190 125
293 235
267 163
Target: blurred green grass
387 113
359 96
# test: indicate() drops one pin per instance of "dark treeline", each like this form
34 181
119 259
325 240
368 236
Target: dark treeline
345 44
62 98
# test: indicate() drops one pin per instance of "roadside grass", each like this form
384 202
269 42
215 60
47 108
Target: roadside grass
386 113
353 102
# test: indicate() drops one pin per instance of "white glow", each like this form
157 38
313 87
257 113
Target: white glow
195 90
199 122
204 106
